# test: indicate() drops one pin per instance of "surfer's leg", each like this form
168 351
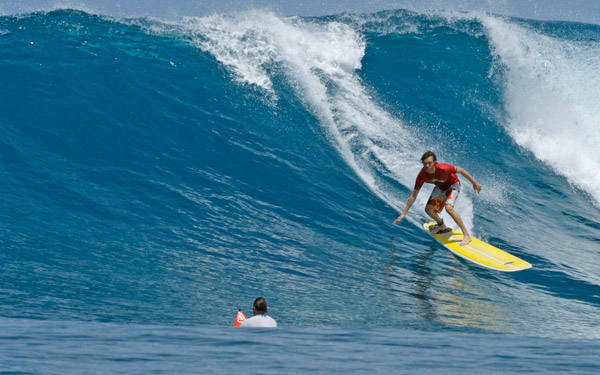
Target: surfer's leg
432 211
458 220
434 206
451 197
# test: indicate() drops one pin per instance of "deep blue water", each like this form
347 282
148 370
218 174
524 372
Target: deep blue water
157 176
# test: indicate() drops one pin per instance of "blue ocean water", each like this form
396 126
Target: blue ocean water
157 176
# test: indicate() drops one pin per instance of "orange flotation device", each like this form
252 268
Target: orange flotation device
239 318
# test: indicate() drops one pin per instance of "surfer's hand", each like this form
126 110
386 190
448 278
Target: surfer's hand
476 187
399 219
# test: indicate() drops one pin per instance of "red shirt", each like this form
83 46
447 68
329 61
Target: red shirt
443 177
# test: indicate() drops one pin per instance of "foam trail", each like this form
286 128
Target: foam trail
553 99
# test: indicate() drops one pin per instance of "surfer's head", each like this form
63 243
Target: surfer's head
428 159
260 306
427 155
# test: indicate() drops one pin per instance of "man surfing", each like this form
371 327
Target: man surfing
447 187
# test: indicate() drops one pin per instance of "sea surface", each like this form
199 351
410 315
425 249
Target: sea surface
157 176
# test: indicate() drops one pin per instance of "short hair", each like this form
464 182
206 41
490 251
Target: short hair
260 304
427 154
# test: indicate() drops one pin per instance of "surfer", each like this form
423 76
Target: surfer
260 318
447 187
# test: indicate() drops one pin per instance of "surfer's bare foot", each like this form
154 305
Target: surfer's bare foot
466 240
438 228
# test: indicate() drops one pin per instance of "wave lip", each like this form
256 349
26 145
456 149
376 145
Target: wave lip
552 94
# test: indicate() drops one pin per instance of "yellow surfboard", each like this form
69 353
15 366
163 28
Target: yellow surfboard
479 252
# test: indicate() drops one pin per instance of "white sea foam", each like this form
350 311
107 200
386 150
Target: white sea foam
74 4
553 99
320 61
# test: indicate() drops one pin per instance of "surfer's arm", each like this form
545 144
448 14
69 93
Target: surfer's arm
409 203
466 175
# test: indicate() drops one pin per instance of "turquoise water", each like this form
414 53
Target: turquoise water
157 176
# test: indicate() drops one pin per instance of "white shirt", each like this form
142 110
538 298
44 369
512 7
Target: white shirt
261 320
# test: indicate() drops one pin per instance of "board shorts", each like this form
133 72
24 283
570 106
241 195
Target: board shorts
439 199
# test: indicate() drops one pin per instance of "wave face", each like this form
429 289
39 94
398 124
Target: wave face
170 172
